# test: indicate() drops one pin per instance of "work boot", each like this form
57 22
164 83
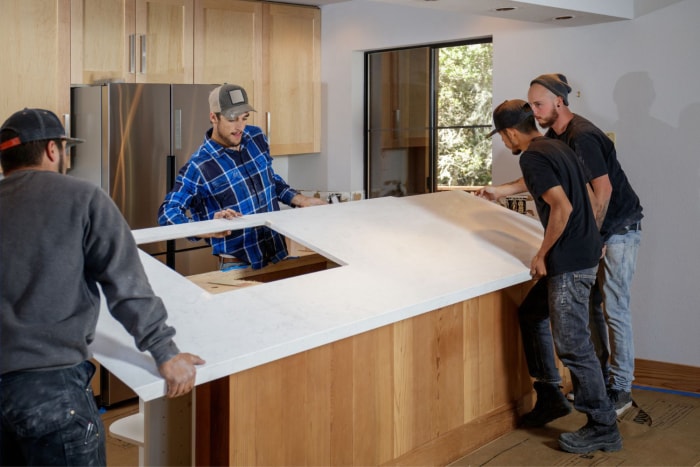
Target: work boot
592 437
551 404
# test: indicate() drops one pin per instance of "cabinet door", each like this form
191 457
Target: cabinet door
143 41
399 94
165 30
228 47
291 54
36 58
103 41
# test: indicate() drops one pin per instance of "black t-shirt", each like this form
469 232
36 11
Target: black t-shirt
548 163
597 152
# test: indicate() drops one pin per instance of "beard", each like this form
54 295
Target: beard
516 151
548 120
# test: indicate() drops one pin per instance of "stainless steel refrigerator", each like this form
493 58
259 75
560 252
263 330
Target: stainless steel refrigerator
137 136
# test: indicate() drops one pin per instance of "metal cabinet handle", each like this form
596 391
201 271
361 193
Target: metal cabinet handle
132 53
143 53
267 125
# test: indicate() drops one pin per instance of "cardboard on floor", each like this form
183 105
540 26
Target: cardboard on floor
661 429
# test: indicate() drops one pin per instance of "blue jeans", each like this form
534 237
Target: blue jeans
536 332
50 418
615 326
599 329
567 304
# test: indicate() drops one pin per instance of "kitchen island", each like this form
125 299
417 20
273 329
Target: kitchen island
407 352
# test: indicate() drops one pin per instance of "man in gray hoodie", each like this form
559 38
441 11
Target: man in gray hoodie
61 238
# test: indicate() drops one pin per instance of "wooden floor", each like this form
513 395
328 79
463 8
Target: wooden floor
663 430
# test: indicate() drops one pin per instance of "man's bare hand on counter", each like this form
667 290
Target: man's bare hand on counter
179 373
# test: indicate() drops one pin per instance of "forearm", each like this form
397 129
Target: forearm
554 229
173 210
511 188
559 215
113 261
600 198
303 201
497 192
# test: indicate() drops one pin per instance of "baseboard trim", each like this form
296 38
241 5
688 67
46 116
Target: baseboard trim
673 376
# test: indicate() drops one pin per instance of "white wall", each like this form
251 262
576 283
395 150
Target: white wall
637 78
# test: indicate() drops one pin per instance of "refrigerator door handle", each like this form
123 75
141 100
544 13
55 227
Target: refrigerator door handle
170 172
69 132
66 124
170 182
177 129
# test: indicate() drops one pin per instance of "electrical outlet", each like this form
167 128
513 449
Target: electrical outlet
335 197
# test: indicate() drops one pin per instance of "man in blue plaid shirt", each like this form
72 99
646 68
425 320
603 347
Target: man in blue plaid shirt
231 175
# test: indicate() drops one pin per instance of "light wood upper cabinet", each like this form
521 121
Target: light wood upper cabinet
273 51
292 54
35 59
228 48
142 41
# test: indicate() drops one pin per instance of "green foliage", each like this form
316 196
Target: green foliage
464 101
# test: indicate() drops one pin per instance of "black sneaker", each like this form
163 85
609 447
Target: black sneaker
621 400
592 437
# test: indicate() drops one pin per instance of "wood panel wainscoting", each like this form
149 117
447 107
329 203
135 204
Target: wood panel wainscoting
422 391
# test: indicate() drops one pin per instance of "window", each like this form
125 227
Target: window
428 111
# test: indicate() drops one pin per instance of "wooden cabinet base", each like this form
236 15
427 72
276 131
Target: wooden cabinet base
423 391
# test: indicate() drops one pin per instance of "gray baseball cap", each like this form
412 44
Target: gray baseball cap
230 100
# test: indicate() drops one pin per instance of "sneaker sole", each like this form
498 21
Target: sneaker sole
623 409
607 447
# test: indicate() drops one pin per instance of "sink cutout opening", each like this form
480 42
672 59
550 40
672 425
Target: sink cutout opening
301 260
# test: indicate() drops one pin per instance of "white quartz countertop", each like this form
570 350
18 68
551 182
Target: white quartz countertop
399 257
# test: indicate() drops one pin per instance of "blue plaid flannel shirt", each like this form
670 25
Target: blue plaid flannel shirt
217 178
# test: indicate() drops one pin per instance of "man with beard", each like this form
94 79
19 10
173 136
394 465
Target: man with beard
618 213
61 238
231 175
566 263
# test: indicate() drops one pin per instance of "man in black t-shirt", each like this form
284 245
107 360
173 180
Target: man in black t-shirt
566 264
618 212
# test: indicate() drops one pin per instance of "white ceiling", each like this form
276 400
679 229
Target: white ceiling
541 11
